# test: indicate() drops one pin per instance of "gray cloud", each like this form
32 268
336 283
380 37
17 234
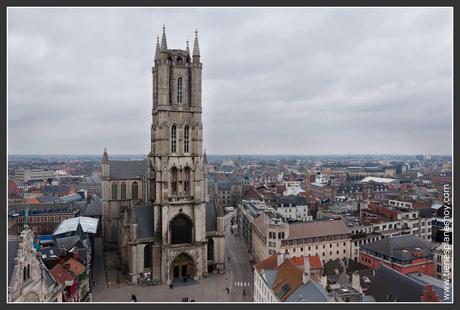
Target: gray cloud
292 80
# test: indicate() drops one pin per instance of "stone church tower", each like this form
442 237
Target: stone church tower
178 169
156 212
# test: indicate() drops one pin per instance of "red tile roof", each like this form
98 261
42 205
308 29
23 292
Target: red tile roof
75 266
60 274
315 261
288 279
268 263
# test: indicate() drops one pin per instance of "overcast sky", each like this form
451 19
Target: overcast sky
275 81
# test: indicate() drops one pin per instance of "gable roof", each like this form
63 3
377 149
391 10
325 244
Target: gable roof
75 266
268 263
61 275
127 169
88 224
391 285
287 280
315 261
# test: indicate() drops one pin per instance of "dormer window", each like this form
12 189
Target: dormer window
179 90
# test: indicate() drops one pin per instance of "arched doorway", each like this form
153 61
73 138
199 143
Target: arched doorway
182 267
181 229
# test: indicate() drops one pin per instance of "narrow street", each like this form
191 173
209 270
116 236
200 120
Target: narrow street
239 270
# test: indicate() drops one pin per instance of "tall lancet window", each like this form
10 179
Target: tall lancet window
173 139
134 191
174 181
123 191
186 139
179 90
187 181
114 191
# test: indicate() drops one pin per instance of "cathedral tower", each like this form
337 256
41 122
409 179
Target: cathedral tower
177 178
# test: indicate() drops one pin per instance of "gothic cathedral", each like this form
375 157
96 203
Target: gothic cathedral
156 212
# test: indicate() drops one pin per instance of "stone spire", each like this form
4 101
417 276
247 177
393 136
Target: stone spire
188 49
196 47
164 45
205 158
157 49
105 156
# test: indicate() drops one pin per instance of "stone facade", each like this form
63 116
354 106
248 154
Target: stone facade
154 211
28 278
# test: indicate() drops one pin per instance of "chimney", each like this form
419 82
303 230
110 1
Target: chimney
306 263
324 281
356 282
285 255
279 259
306 277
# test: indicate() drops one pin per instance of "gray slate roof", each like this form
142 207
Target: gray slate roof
310 292
291 199
94 208
127 169
13 245
400 247
390 285
144 219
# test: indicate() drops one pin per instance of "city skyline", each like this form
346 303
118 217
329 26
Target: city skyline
58 95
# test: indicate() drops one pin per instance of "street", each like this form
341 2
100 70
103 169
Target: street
240 271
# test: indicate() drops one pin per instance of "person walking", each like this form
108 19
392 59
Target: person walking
133 298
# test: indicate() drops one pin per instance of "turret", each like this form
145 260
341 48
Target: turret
196 49
157 49
164 44
196 74
105 165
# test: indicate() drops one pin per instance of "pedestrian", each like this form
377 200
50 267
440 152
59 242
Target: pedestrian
244 292
133 298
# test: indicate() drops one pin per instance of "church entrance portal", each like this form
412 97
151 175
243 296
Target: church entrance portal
183 267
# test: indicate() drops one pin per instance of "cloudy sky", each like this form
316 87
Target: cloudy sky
275 81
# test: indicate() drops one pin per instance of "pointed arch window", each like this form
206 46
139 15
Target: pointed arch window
173 139
186 139
187 181
179 90
24 273
174 181
181 230
28 271
123 191
135 191
114 191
